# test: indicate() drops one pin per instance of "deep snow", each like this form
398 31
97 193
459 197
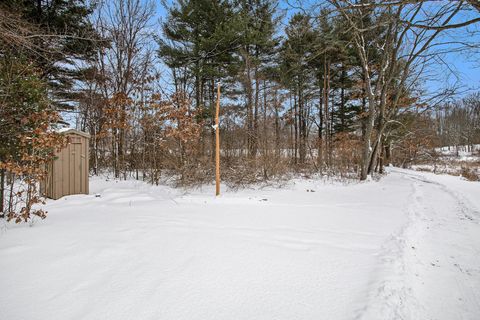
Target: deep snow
406 247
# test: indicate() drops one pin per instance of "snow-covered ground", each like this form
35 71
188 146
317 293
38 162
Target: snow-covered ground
406 247
461 153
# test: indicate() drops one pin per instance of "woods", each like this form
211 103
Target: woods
239 159
336 88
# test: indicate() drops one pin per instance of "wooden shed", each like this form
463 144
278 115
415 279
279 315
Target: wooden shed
68 173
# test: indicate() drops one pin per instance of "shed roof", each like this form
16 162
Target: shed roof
74 131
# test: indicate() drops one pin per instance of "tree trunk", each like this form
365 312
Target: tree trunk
277 126
295 106
342 102
2 193
265 129
248 86
255 114
320 125
367 142
301 125
326 89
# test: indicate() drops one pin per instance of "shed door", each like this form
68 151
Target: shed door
77 165
71 168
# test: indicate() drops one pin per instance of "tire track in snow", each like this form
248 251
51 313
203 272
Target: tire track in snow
409 259
466 208
391 294
466 213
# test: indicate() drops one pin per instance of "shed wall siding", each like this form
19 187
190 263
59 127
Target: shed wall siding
68 174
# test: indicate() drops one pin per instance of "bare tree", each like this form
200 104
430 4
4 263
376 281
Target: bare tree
409 34
119 76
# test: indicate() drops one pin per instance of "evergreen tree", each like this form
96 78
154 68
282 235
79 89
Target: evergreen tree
257 25
63 39
197 44
297 75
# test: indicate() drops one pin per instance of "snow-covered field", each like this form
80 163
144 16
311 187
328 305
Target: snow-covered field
406 247
460 153
455 160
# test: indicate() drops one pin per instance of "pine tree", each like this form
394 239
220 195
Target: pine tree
198 44
257 25
297 75
63 39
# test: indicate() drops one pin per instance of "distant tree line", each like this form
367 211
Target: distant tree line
458 123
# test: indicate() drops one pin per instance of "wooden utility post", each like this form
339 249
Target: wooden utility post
217 144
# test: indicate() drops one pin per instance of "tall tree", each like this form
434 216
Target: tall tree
64 41
118 77
198 42
296 55
408 38
257 26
